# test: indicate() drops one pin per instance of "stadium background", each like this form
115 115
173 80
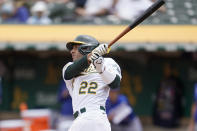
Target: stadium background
33 57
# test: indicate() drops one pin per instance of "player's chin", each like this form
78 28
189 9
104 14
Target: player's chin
74 58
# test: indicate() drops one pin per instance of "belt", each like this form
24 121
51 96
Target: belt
82 110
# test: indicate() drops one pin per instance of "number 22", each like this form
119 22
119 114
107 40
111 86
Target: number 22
91 87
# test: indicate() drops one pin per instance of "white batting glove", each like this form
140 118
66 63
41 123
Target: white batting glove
101 49
98 64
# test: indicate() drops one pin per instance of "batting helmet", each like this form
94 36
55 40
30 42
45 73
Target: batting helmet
87 44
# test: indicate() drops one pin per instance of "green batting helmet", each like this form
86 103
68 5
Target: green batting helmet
87 44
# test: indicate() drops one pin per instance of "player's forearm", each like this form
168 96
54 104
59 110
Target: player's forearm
76 68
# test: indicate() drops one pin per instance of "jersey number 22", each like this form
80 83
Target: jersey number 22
92 86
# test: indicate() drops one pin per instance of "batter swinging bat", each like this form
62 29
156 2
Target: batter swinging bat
140 19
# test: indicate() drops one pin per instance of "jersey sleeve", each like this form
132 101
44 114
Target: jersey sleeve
112 73
114 67
65 67
67 82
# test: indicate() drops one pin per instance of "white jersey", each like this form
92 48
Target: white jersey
88 89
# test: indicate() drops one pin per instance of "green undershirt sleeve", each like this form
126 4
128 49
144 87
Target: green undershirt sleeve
115 83
76 68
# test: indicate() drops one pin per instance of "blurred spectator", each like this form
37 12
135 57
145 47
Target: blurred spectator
39 14
21 12
130 9
7 12
65 99
66 114
80 3
193 121
14 12
56 1
121 114
95 8
61 10
167 110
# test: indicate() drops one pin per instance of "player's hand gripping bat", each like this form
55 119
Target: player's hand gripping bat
140 19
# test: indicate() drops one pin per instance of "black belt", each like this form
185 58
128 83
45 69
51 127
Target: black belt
82 110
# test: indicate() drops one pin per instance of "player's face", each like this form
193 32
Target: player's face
75 53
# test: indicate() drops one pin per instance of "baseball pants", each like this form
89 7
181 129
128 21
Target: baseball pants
91 121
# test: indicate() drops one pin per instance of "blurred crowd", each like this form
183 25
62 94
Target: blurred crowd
60 11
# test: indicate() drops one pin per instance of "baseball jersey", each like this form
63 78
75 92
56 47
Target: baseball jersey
88 89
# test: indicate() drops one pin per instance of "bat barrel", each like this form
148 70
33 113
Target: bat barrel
147 13
140 19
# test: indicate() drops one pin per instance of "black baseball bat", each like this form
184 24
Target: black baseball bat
140 19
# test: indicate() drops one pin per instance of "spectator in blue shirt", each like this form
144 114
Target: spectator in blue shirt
66 113
65 99
14 12
193 121
21 12
113 108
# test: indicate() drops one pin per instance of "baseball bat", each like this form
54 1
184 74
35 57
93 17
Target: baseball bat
140 19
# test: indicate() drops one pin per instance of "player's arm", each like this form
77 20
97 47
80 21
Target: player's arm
107 73
76 68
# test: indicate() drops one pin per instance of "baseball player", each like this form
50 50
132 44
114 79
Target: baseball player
89 78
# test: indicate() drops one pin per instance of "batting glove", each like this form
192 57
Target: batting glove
98 64
101 49
98 51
